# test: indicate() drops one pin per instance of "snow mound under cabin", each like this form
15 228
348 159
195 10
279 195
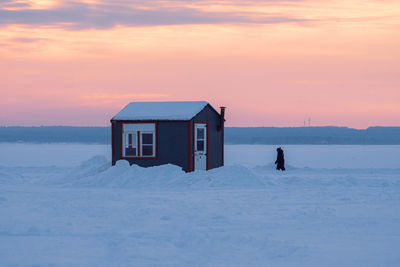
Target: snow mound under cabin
97 172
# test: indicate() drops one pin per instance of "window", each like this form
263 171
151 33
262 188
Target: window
130 144
200 139
147 144
138 140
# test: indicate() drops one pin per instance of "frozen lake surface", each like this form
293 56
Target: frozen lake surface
63 205
313 156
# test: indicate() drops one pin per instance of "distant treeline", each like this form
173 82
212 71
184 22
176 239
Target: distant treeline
56 134
233 135
313 135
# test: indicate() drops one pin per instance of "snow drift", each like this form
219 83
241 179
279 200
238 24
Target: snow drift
97 172
238 215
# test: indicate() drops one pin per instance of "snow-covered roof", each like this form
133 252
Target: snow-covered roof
185 110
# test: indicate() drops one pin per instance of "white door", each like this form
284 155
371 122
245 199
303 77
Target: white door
200 146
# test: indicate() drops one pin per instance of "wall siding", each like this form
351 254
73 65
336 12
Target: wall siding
215 153
171 145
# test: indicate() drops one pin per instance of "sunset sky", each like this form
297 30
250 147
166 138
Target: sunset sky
271 63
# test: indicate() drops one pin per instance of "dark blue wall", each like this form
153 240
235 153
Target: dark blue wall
172 143
215 153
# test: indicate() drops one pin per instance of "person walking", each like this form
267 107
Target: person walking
280 160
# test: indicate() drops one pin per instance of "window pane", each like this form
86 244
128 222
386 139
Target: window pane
130 151
200 133
130 140
147 138
147 150
200 145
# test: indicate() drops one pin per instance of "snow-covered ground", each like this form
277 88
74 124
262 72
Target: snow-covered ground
313 156
62 205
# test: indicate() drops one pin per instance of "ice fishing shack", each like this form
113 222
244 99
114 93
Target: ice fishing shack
189 134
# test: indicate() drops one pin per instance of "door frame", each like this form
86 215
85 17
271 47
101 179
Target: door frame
207 143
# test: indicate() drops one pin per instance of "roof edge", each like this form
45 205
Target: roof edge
208 104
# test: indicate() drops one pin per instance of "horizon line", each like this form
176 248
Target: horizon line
99 126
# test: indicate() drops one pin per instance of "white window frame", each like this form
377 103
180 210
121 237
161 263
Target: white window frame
152 145
125 143
138 129
197 139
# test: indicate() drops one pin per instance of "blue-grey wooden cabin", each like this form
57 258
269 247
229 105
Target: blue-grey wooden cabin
188 134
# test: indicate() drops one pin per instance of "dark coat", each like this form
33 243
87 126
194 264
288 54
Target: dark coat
280 160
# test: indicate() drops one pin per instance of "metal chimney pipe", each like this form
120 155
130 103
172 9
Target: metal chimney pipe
222 118
223 112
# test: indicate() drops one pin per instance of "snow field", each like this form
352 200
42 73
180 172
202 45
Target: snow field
92 214
312 156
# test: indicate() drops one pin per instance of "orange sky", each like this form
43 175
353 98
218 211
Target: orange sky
272 63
